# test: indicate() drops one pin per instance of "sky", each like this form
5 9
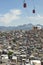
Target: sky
12 12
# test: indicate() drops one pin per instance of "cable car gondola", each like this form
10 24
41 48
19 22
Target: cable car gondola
33 11
24 4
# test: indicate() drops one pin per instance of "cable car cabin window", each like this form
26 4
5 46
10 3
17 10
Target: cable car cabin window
24 5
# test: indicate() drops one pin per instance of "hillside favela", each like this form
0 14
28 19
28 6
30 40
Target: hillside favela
21 32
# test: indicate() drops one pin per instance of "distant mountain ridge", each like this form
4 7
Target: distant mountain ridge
23 27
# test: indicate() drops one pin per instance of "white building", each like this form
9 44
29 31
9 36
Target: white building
35 62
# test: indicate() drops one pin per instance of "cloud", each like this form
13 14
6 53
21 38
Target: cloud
36 19
10 16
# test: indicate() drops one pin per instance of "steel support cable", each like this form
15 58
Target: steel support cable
24 1
33 4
